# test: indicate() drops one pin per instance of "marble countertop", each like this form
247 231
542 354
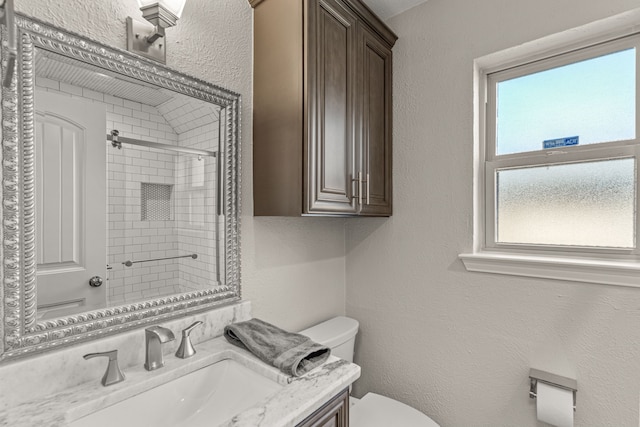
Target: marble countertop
298 398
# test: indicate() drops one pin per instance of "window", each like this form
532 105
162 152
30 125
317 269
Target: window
559 164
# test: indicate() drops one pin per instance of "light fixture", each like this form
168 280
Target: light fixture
147 39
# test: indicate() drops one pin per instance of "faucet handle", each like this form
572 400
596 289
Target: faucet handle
186 349
113 374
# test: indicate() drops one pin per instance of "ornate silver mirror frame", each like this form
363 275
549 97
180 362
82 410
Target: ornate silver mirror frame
22 333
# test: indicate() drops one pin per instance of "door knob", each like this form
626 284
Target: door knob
95 281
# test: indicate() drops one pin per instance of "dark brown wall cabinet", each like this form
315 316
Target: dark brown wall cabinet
322 109
334 413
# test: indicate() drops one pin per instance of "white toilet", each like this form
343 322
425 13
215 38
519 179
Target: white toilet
372 410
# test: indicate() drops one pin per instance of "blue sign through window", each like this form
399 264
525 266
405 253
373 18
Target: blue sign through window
560 142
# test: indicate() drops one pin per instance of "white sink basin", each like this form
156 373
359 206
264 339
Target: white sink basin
206 397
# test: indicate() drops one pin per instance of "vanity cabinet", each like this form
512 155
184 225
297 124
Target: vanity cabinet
322 109
334 413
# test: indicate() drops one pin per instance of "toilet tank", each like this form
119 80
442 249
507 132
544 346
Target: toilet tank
339 334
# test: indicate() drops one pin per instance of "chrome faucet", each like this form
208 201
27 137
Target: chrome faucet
155 336
113 374
186 349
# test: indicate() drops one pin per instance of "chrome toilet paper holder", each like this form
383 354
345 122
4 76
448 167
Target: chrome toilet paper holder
536 376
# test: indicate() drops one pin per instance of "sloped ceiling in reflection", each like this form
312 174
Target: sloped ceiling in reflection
181 112
72 72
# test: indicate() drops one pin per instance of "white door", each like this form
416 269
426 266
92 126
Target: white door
70 202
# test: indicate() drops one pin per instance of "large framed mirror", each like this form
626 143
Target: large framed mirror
120 192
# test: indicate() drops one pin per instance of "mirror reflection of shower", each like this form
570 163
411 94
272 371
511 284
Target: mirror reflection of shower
162 220
162 193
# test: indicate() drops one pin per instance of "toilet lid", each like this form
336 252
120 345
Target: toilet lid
374 410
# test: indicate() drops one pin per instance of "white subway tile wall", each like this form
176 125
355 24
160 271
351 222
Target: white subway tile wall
141 239
194 225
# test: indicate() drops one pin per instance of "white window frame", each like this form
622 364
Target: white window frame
611 266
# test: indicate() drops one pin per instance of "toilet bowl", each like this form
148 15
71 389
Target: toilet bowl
373 410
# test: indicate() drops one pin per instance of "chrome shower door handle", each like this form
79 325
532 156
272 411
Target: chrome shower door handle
95 282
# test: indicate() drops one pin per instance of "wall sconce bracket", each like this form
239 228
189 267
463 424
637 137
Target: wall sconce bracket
146 40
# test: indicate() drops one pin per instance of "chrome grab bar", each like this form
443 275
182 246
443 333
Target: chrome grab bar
130 263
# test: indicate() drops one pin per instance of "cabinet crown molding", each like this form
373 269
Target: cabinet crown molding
365 14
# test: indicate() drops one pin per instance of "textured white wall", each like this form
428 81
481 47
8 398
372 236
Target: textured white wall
293 270
454 344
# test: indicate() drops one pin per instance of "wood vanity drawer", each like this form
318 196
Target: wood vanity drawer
334 413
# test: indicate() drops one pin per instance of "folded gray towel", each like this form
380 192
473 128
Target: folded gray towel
293 354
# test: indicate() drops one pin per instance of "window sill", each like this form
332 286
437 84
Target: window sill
607 272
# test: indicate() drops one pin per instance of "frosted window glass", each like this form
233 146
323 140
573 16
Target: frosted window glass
580 204
592 99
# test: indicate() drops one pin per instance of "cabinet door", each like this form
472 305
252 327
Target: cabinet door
374 68
333 414
330 101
